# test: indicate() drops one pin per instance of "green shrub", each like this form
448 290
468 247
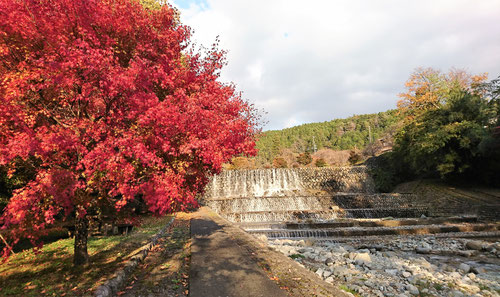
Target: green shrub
320 163
304 158
280 163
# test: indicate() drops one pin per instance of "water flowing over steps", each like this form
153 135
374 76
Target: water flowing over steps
340 223
369 231
332 204
323 215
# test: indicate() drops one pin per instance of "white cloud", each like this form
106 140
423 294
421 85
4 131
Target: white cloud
318 60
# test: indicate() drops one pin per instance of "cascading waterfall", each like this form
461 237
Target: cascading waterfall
255 183
271 198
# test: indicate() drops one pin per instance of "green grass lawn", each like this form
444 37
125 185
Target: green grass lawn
51 273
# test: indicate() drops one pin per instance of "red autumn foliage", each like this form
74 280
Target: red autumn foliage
114 103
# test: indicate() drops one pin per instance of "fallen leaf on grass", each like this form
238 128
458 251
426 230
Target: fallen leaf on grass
164 266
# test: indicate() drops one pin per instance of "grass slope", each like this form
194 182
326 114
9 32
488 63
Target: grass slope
51 273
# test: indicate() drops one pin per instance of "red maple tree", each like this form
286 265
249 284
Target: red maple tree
115 105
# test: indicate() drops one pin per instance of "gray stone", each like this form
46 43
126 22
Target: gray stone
327 274
421 250
474 245
412 289
464 267
406 274
456 293
113 284
103 291
425 245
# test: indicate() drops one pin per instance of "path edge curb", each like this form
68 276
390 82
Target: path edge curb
112 285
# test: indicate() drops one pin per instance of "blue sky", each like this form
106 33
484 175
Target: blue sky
313 61
184 4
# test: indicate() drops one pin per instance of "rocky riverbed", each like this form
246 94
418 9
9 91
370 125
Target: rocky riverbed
402 265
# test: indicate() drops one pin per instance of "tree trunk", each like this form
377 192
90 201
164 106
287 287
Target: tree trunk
81 256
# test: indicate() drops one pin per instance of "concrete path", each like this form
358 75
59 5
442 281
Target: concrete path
221 268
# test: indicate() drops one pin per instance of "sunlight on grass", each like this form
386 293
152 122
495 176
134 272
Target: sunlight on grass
51 273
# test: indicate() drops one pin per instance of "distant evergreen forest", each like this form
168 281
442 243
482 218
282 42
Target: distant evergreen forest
339 134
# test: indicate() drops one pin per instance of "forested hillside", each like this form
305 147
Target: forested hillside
339 134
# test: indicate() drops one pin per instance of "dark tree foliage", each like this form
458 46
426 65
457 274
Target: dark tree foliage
452 141
304 158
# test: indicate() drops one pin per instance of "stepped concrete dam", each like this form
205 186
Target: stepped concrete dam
332 221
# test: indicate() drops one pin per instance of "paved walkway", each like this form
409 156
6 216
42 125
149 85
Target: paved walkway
221 268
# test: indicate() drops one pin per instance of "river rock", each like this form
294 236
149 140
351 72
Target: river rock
412 289
364 257
464 267
474 245
406 274
456 293
422 250
329 261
